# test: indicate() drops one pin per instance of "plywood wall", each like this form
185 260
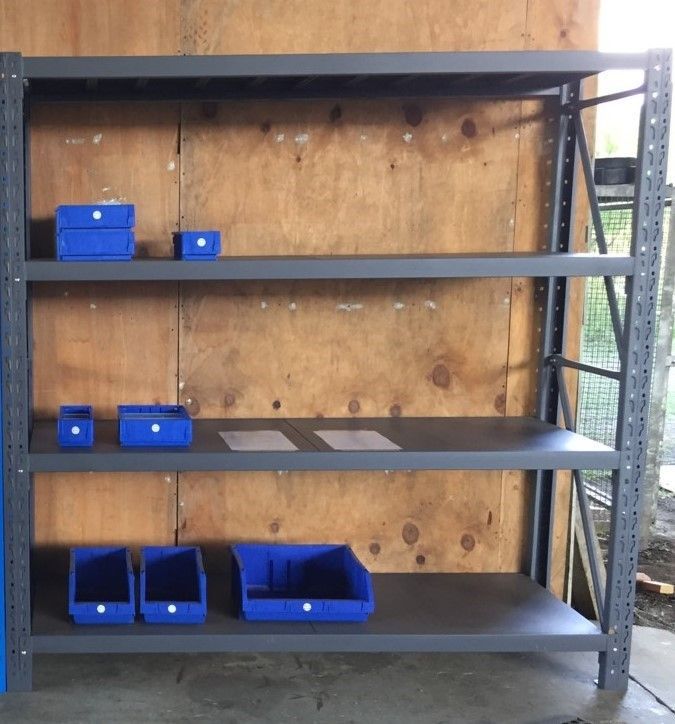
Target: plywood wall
320 177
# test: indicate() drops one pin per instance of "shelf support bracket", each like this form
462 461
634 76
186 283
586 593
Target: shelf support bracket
554 306
584 505
634 388
587 167
14 347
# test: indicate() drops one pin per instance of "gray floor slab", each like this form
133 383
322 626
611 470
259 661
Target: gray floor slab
653 662
363 688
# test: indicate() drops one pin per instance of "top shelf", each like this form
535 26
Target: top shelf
499 74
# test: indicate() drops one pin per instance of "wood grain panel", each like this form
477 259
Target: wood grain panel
415 521
90 27
98 343
351 26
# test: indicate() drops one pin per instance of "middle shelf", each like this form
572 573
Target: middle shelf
412 443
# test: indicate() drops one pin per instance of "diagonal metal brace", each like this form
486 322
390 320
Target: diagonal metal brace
584 505
587 166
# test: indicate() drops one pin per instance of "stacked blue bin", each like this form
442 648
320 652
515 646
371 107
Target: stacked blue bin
95 232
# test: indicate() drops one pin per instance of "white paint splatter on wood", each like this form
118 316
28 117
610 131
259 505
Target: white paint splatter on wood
407 137
97 138
430 304
301 138
351 307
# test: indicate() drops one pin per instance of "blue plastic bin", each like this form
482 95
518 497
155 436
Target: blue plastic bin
173 585
95 245
101 586
196 245
95 216
300 583
153 425
75 427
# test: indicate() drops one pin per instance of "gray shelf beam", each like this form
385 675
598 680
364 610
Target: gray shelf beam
497 63
455 443
414 612
485 74
435 266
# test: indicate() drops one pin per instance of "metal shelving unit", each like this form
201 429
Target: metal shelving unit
430 612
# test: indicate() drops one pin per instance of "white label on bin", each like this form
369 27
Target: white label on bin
356 440
97 214
307 607
201 242
75 430
155 428
171 608
100 608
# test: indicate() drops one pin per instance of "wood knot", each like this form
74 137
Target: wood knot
469 128
410 533
374 548
413 114
468 542
440 376
353 406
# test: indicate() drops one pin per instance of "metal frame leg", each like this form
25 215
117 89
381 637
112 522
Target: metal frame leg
16 491
553 329
642 290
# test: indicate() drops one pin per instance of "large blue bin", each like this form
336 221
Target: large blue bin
154 425
75 427
95 245
95 216
173 585
300 583
101 586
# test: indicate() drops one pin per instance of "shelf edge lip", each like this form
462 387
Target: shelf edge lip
315 642
434 266
328 64
318 461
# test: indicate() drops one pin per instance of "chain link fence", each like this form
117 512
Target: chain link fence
598 396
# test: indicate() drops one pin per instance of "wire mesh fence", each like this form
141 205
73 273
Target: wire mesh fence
598 396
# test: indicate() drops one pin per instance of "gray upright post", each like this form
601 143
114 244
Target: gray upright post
637 357
553 329
16 491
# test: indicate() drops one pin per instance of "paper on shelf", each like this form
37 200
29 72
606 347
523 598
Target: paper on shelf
356 440
257 441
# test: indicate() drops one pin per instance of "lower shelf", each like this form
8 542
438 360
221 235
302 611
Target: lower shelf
479 612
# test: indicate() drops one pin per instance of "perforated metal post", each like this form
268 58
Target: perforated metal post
16 492
554 303
639 339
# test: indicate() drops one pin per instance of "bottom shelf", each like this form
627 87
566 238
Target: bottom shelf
414 612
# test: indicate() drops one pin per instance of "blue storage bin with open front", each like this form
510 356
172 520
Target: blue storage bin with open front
173 585
101 586
75 426
300 583
154 425
196 245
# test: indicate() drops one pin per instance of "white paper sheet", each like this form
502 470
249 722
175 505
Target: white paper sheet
356 440
257 441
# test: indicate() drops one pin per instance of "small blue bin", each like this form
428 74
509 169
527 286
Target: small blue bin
75 427
173 585
154 425
95 216
101 586
95 245
301 583
196 245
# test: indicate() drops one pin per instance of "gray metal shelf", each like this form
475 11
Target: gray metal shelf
452 443
444 612
496 74
414 612
407 266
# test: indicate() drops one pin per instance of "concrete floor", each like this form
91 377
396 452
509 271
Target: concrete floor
363 688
